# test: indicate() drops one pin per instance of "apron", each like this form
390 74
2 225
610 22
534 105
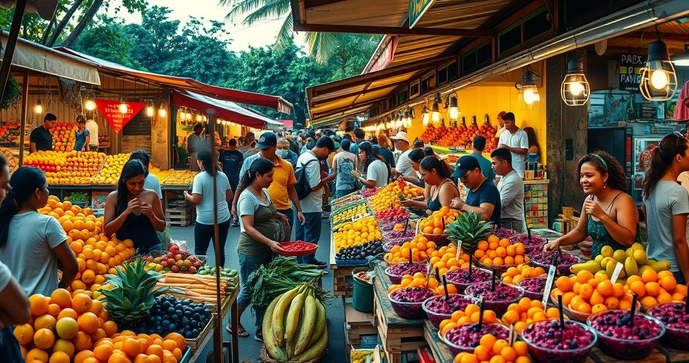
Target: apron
267 225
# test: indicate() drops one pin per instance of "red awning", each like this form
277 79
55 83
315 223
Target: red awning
288 123
222 109
248 98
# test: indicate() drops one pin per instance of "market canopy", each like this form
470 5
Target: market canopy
225 110
192 85
37 58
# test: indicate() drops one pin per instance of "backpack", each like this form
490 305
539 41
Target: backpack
344 172
302 186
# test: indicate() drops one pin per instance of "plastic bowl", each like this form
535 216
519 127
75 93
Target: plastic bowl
562 269
626 349
533 295
408 310
501 330
396 279
461 302
499 306
442 239
542 354
461 286
675 336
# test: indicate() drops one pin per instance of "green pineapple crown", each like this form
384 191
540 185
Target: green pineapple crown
133 293
469 228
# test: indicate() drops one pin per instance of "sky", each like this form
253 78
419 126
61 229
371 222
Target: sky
257 35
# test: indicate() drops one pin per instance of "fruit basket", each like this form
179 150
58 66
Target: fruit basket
460 279
412 308
395 272
644 336
564 262
676 322
456 302
498 300
533 287
465 337
544 346
298 248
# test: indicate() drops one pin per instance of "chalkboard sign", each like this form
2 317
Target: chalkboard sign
630 71
139 125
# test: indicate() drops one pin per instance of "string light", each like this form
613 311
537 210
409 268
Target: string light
123 107
162 111
39 107
150 111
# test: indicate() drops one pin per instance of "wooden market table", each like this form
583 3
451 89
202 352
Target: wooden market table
342 275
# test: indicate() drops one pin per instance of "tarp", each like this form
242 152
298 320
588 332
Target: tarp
37 58
225 110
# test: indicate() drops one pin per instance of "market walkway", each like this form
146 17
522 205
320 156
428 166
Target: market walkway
249 348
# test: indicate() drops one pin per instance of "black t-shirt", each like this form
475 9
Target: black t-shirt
42 138
232 162
486 193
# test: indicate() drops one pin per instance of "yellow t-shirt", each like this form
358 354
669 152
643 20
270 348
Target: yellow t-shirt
283 176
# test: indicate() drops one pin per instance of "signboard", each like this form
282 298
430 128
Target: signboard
630 71
114 116
416 9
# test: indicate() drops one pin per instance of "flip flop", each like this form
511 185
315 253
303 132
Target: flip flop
242 333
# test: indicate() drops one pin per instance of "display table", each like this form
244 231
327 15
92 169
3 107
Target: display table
342 275
357 325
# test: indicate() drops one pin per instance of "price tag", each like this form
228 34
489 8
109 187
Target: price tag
616 273
417 228
548 284
510 339
428 273
459 248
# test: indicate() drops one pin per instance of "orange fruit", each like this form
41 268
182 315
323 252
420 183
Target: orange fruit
612 302
585 291
82 303
61 297
67 313
520 348
88 322
638 288
618 290
67 328
62 345
24 334
648 301
179 340
155 349
509 354
598 308
45 321
59 357
132 347
142 358
482 353
584 276
499 345
669 283
39 304
177 353
605 288
487 341
98 335
110 328
37 355
82 355
652 288
82 341
649 276
43 338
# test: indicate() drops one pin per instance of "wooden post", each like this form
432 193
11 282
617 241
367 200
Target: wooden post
217 336
24 115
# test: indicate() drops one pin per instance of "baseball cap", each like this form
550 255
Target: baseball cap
267 140
337 145
464 165
401 136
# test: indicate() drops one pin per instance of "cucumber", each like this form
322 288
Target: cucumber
292 322
320 324
278 317
307 325
274 351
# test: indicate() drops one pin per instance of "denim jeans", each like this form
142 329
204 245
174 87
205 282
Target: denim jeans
309 232
342 192
247 265
290 217
203 233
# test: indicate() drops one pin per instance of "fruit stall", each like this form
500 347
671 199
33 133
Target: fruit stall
449 288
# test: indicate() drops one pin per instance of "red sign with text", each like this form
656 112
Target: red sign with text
113 114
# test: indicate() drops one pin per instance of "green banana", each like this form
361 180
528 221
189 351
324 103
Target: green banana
274 350
320 324
278 317
660 266
307 325
315 350
292 322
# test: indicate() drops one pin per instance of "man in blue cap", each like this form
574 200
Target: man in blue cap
482 195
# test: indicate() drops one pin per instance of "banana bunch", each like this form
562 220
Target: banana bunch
634 259
294 326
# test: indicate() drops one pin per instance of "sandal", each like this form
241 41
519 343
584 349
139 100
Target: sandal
259 336
242 333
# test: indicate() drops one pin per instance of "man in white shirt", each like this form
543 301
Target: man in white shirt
195 143
516 141
92 126
501 124
312 204
404 167
511 188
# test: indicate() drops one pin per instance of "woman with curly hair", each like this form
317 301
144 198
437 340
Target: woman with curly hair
609 214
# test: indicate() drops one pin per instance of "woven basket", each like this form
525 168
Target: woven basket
265 358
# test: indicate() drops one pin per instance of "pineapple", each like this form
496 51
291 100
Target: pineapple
470 229
130 293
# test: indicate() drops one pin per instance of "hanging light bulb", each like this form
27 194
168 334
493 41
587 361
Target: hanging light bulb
123 108
187 115
410 116
199 118
528 92
452 107
575 90
150 110
435 111
162 112
658 77
39 107
89 105
424 115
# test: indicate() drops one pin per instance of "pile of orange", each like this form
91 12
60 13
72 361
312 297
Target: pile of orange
74 167
586 293
97 255
527 311
420 249
64 137
653 287
61 326
355 233
391 193
499 252
419 280
515 274
445 259
470 314
494 350
142 348
438 221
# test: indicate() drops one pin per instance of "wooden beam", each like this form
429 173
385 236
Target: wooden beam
308 4
366 29
345 108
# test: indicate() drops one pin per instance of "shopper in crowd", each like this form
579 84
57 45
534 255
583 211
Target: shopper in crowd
284 151
666 206
262 229
482 195
151 182
359 137
344 163
511 188
41 139
403 168
439 188
478 145
293 145
376 172
196 142
92 127
415 157
418 144
515 140
501 124
4 178
281 190
609 215
82 137
206 202
32 244
231 161
312 204
533 156
249 147
241 141
134 212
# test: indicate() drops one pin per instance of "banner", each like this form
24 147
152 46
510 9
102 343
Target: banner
113 115
630 71
416 9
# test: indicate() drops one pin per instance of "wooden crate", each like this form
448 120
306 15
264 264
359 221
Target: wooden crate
342 276
358 324
180 216
194 344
